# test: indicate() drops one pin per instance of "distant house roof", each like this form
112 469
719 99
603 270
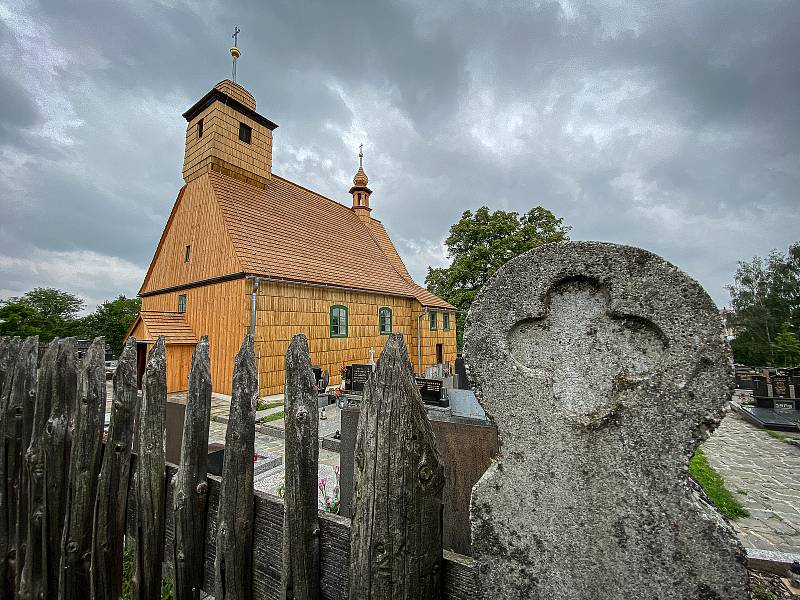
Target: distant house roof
172 325
287 232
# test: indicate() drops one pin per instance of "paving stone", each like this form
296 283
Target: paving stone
769 473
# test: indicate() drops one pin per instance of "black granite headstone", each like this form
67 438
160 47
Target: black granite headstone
460 369
431 391
359 376
780 386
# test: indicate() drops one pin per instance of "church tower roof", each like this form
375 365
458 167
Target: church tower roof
360 191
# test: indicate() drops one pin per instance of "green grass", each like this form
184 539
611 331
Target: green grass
264 405
714 487
272 417
127 576
783 437
762 593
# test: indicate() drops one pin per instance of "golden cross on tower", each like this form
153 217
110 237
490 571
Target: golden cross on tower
361 155
235 52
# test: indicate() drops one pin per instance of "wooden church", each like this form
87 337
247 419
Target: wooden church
245 250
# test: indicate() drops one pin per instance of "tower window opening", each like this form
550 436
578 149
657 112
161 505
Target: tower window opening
245 133
200 128
186 253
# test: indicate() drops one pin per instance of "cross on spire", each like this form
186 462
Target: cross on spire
235 52
361 155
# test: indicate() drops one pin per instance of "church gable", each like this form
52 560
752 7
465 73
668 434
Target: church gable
195 245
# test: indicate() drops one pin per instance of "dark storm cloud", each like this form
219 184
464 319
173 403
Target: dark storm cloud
673 126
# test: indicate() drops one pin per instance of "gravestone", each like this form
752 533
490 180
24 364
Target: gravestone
358 377
431 391
603 367
780 386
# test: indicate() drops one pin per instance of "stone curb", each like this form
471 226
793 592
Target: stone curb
777 563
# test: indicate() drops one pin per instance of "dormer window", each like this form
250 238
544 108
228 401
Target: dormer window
200 128
245 133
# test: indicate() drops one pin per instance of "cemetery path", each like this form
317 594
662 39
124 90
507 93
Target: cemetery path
764 474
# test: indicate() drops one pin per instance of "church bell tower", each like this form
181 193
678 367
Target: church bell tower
360 191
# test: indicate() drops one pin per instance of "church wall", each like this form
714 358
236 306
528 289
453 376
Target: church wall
429 338
284 309
196 221
222 312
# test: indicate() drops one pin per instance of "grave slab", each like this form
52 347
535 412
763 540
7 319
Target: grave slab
603 367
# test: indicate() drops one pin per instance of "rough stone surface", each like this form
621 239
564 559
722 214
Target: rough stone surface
604 367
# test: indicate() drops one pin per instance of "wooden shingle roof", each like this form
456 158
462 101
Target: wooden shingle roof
290 233
172 325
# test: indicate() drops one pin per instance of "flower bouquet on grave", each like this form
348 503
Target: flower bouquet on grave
330 502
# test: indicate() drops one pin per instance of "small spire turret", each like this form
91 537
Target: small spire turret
360 191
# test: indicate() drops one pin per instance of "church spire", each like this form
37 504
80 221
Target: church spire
360 191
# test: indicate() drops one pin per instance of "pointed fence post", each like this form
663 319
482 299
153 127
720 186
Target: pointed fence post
23 405
300 577
150 478
396 540
38 554
56 453
112 489
232 564
190 497
84 465
9 352
9 355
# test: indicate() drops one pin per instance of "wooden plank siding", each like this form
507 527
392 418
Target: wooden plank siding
222 312
285 309
196 221
179 359
430 338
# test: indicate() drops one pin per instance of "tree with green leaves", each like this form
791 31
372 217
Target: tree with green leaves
111 319
765 298
786 348
50 312
482 242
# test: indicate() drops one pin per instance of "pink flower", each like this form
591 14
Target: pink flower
336 490
336 469
323 482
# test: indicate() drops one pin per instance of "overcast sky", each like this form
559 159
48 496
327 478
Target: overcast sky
670 125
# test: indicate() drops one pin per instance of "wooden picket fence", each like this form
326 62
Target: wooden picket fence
72 499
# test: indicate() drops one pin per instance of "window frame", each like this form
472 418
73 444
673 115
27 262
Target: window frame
346 321
186 252
244 127
433 320
381 311
182 303
445 321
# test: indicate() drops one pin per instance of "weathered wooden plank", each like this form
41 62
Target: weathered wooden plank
56 454
112 489
300 578
190 494
232 567
150 485
23 405
334 544
34 578
84 465
9 353
396 545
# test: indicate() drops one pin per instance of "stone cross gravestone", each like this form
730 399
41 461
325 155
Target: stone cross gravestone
604 367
